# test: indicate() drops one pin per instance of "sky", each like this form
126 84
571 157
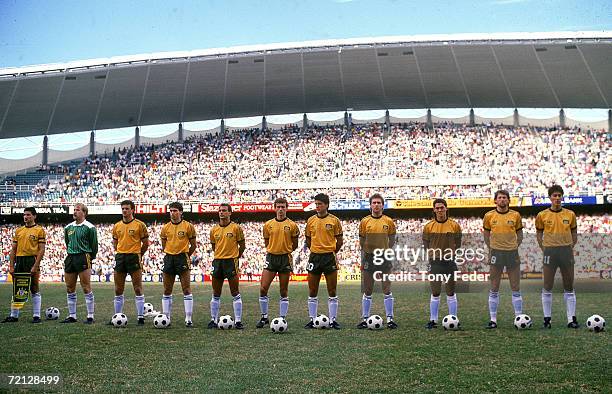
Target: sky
43 32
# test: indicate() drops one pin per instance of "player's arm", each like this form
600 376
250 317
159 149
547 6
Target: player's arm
339 242
12 258
540 238
93 241
487 237
294 243
458 237
519 237
66 236
115 240
574 236
144 240
241 248
39 256
192 245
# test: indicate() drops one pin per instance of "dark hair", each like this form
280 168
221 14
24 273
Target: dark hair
176 205
130 203
504 192
281 200
229 207
439 201
555 189
324 198
377 196
32 210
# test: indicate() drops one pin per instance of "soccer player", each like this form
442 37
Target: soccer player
376 231
130 241
281 239
81 240
441 235
556 231
503 234
178 239
324 239
227 239
27 252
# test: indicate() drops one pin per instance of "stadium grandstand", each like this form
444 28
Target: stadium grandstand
409 160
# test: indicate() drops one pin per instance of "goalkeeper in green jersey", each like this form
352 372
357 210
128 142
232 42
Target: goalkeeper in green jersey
82 246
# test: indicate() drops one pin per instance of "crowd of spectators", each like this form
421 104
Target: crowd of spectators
592 251
222 167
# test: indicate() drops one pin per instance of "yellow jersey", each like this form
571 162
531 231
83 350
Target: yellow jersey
225 240
177 236
280 235
375 232
442 236
130 235
28 240
323 232
557 227
503 228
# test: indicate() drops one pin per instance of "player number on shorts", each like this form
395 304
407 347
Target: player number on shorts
546 260
310 267
493 259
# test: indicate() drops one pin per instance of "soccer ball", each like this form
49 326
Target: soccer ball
119 320
450 322
321 322
161 321
148 309
596 323
278 325
52 313
225 323
522 322
375 322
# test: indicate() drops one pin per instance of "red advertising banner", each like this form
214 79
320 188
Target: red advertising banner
253 207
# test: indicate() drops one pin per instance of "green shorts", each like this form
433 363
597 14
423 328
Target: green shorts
368 264
24 263
225 268
128 262
558 256
322 263
175 264
280 263
442 267
77 263
505 258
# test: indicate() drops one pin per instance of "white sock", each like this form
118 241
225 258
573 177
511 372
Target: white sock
14 312
517 302
493 302
547 302
452 304
313 303
434 305
263 305
36 302
332 305
389 306
215 305
237 308
570 305
283 306
119 303
188 302
167 305
140 301
90 304
72 304
366 305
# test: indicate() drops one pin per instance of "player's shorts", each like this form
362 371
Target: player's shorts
322 263
24 263
368 265
175 264
442 267
77 262
128 262
225 268
558 256
280 263
505 258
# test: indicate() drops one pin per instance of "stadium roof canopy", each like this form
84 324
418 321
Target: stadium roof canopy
540 70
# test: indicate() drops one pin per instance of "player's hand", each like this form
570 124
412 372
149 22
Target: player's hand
34 270
11 270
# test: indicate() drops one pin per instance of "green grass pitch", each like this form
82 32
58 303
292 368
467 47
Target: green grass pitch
100 358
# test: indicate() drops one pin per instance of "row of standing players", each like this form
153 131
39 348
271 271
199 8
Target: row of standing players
556 234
